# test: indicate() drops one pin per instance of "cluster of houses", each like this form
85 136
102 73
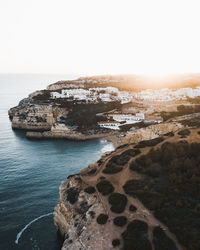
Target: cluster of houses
94 95
109 94
166 94
116 120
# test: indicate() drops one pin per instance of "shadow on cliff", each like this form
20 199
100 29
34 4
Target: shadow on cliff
19 133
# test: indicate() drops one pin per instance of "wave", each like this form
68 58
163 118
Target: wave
21 232
107 147
103 141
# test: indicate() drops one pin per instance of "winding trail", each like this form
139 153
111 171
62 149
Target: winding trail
31 222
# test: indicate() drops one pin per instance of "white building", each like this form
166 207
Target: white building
166 94
128 118
110 125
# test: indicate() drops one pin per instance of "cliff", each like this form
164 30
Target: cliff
45 115
93 107
151 132
143 195
30 116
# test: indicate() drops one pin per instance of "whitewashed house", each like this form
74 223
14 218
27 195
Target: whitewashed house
110 125
128 118
105 97
55 95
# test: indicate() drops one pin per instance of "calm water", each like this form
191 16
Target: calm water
31 171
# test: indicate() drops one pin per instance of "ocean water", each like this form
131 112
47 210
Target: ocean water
31 171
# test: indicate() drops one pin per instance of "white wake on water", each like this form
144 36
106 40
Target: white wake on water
21 232
107 147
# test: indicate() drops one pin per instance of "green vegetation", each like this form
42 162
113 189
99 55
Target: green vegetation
161 241
194 122
84 115
118 202
170 134
132 208
105 187
135 236
138 125
112 169
149 143
117 162
102 219
181 110
120 221
171 188
92 171
184 132
72 195
44 97
116 242
90 190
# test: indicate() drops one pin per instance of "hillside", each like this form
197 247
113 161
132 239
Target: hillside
143 195
99 106
132 82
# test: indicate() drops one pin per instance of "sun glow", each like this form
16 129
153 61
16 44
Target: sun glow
100 37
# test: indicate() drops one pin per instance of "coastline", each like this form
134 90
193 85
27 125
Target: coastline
113 137
84 199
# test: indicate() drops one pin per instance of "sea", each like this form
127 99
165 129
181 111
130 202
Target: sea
31 171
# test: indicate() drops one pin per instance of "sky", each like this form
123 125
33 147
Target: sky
100 36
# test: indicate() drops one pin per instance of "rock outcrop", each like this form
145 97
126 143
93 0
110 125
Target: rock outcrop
86 109
151 132
34 116
116 204
44 116
69 135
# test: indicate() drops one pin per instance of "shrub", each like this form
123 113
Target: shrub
170 187
112 169
162 241
118 202
116 242
90 190
149 143
170 134
72 195
102 219
184 132
105 187
120 221
132 208
135 236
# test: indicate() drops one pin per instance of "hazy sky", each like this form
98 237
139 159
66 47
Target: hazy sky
99 36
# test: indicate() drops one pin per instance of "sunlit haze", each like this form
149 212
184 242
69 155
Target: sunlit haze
99 37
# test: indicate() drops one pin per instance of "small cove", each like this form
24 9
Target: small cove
31 170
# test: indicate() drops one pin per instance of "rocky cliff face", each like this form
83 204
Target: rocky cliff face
74 109
70 117
121 202
34 116
151 132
